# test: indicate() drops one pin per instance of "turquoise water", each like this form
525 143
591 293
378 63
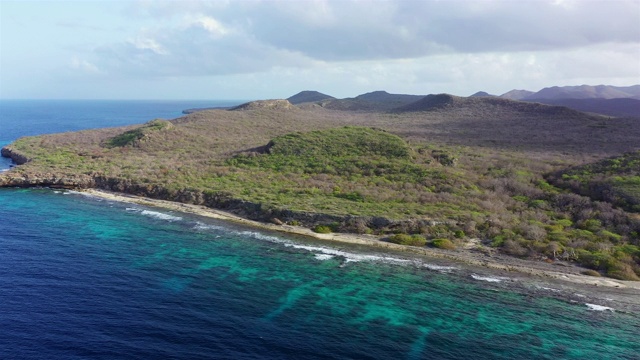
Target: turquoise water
84 277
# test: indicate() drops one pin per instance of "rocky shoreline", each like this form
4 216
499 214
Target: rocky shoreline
470 256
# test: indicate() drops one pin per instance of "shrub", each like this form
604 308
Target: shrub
593 260
405 239
591 273
322 229
443 244
592 225
564 222
515 248
622 271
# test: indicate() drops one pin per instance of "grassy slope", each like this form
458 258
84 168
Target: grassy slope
473 171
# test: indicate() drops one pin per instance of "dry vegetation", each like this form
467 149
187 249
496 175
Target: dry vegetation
465 169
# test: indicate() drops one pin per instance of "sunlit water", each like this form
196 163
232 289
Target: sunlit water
82 277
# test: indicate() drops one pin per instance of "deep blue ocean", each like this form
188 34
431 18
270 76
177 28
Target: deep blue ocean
86 278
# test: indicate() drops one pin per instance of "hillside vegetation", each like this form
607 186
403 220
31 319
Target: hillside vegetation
442 176
615 180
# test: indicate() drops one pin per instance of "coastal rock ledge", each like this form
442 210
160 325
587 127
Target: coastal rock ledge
14 179
17 158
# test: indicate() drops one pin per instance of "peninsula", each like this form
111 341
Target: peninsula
540 182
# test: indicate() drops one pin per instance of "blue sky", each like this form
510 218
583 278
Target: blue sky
273 49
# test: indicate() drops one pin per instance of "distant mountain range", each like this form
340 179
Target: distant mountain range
602 99
618 101
587 92
573 92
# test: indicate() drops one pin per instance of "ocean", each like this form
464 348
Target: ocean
84 278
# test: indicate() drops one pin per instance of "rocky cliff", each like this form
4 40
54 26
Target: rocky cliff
11 153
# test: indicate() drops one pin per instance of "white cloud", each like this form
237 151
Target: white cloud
145 43
210 24
84 66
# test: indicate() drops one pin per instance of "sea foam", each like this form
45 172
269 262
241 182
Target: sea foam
326 253
204 227
495 279
595 307
440 268
159 215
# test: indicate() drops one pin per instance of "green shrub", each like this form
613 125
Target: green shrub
521 198
564 222
592 225
459 234
322 229
613 237
596 260
405 239
443 244
497 241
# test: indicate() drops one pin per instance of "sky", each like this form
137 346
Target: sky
251 49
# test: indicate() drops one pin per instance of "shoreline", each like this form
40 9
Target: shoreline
501 263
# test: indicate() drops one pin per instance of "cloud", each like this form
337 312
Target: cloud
83 66
196 38
213 26
145 43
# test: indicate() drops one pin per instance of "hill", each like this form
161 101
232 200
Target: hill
484 105
517 94
308 96
373 101
587 92
481 94
385 97
264 104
